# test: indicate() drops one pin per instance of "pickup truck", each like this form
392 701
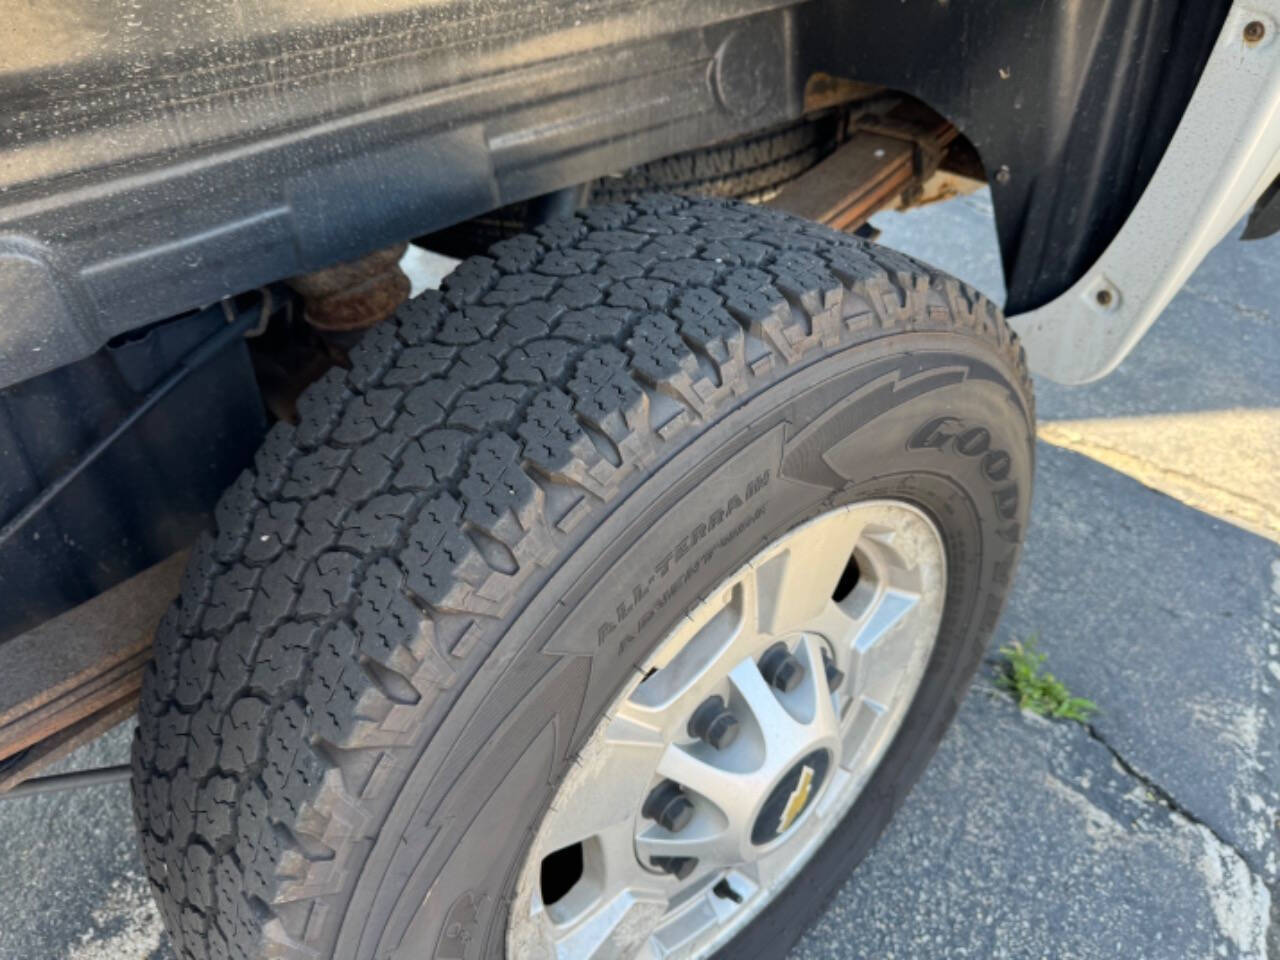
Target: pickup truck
483 444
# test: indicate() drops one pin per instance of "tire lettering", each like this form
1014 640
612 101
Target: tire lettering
1006 501
996 465
932 434
700 534
461 925
971 441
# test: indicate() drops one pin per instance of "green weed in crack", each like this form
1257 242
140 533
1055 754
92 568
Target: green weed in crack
1022 673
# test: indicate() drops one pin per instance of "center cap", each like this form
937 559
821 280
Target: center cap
790 797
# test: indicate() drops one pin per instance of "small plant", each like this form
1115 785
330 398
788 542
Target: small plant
1024 676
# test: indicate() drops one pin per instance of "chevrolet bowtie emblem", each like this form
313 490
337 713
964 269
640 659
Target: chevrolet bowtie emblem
799 797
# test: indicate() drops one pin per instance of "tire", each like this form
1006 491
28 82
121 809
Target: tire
750 168
416 604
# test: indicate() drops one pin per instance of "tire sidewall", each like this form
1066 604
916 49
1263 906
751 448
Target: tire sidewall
930 418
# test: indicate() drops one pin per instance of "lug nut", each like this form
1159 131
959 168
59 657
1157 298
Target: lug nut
835 676
782 671
678 867
713 723
668 806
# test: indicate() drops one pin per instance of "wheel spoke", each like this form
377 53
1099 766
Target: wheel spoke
860 723
730 792
719 633
621 900
825 724
889 610
779 731
836 625
795 583
620 869
887 648
618 776
766 871
712 848
722 804
837 783
882 670
618 928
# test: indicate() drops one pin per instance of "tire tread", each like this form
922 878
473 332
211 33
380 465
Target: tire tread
346 592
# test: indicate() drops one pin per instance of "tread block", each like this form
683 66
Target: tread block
314 473
369 469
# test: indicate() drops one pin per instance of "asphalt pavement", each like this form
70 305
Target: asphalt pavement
1151 578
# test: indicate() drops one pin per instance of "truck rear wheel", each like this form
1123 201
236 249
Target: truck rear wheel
631 576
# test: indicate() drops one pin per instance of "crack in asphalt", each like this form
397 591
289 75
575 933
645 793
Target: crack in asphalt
1166 799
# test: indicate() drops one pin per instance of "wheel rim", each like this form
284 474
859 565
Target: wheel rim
677 825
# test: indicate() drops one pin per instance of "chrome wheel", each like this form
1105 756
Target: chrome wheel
740 744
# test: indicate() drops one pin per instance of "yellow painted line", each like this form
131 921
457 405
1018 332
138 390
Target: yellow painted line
1223 462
